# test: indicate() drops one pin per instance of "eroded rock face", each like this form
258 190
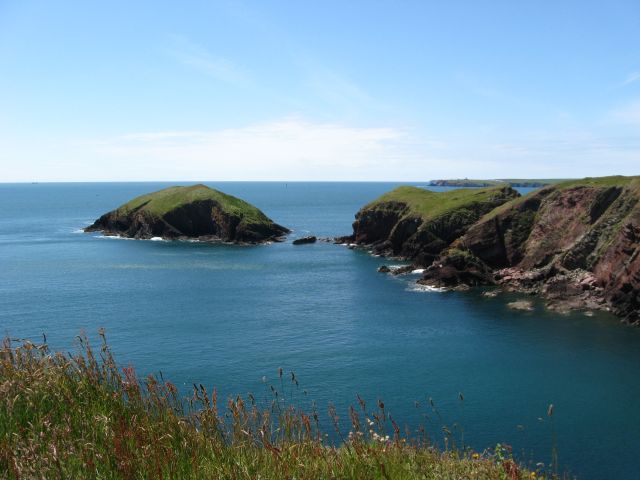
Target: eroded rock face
578 246
182 217
456 269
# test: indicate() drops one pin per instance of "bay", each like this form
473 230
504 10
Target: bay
227 316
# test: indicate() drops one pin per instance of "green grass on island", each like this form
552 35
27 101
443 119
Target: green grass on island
82 416
429 204
163 201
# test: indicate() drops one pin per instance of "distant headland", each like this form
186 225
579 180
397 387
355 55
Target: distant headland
513 182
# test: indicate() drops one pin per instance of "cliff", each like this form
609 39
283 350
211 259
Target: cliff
576 243
195 212
417 224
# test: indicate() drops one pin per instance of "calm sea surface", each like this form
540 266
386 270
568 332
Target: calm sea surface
226 316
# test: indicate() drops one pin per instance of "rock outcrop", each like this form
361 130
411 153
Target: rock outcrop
417 224
577 244
305 240
195 212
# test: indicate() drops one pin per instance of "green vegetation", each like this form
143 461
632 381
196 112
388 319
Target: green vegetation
599 182
163 201
465 182
80 416
612 181
430 205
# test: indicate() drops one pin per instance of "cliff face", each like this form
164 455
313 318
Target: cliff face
196 212
417 224
576 243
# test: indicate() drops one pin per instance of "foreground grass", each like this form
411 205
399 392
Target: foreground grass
80 416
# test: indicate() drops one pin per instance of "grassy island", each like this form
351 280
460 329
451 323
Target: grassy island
169 199
195 211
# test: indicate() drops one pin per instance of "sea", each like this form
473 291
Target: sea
230 317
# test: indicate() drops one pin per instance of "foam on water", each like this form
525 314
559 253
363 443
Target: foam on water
113 237
418 287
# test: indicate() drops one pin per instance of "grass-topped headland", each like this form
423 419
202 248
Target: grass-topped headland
417 224
576 243
195 211
429 204
82 416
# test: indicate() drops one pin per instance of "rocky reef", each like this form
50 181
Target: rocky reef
418 224
194 212
576 243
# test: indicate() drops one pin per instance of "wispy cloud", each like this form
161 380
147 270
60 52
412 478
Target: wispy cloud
628 114
294 148
198 57
336 88
289 148
631 78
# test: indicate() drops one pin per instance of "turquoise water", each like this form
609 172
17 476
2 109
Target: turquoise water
226 316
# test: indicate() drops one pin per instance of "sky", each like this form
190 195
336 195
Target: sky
318 90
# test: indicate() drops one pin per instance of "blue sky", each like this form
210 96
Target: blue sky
330 90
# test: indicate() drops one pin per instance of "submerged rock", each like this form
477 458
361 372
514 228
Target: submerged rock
195 212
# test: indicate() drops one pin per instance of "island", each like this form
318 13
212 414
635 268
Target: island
193 212
575 243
